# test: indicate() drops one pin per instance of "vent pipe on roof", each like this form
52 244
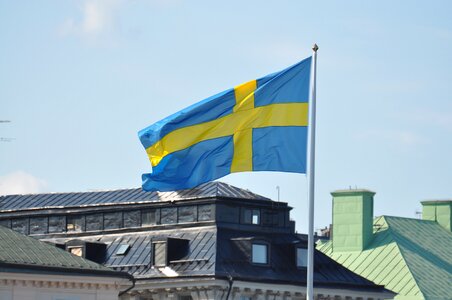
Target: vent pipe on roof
438 211
352 219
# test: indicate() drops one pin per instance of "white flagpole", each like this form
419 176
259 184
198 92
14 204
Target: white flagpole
311 178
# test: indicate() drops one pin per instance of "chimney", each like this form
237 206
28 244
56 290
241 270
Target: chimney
352 219
439 211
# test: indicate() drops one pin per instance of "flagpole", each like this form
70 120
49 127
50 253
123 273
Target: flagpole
311 178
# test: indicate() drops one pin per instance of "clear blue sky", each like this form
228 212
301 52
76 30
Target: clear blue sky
78 79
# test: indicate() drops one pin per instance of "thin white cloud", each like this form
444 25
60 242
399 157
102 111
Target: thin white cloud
98 18
440 119
398 137
20 182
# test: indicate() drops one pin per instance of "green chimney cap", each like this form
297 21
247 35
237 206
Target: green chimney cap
439 211
433 202
352 192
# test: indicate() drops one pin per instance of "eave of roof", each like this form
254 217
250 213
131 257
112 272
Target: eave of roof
27 268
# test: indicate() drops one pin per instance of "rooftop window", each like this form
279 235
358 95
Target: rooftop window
302 257
113 220
20 225
259 253
159 254
38 225
251 216
149 217
75 223
123 249
77 251
94 222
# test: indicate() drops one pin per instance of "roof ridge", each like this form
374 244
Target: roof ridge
400 217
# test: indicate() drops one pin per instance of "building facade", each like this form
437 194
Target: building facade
215 241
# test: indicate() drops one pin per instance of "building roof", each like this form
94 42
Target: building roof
20 253
223 252
125 196
216 246
234 259
408 256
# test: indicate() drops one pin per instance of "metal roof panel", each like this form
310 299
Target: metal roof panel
136 195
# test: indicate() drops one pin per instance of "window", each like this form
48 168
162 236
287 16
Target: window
251 216
260 253
168 215
78 251
302 257
6 223
205 212
94 222
75 223
269 217
187 214
38 225
185 297
122 250
159 251
149 217
113 220
20 225
57 224
132 218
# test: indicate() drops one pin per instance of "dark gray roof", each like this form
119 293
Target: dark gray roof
199 261
125 196
234 256
20 252
220 252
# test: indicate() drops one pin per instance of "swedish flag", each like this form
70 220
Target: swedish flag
260 125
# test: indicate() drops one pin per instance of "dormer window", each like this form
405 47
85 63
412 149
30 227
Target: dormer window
259 253
169 250
93 251
159 254
251 216
302 257
77 251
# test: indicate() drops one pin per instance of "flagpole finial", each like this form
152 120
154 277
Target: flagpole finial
315 48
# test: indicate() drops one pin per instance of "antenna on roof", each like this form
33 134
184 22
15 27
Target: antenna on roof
5 139
418 214
278 189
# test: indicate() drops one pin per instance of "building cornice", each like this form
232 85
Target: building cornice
64 282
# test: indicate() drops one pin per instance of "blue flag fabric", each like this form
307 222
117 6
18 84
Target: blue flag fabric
260 125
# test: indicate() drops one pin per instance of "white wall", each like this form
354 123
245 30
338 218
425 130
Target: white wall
17 286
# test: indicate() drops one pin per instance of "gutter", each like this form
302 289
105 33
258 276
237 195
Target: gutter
129 288
63 270
231 282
